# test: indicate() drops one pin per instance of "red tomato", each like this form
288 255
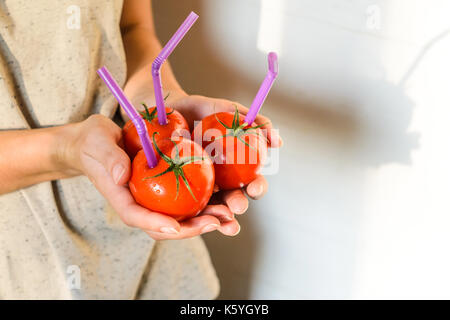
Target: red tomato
237 150
175 122
180 185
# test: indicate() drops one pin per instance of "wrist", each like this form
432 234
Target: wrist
62 155
139 88
142 78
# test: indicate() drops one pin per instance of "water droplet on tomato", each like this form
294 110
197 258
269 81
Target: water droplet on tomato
156 188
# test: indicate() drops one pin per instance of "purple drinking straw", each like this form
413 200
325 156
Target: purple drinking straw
264 89
163 55
132 114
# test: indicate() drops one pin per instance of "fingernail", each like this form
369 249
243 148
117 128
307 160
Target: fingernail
237 207
169 230
227 218
209 228
239 230
118 172
256 189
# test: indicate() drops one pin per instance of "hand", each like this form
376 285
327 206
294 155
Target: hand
94 148
195 108
224 204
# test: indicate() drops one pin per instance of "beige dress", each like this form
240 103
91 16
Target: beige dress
61 239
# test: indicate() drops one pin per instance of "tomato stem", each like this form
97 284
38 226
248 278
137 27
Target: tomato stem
176 166
151 116
238 130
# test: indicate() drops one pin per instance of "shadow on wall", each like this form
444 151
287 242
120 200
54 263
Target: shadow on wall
349 127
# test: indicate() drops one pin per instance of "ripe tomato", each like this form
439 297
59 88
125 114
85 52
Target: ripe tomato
175 122
180 185
237 150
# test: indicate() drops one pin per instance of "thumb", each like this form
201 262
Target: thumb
115 160
119 167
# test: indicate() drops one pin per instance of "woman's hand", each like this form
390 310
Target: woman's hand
195 108
141 48
94 148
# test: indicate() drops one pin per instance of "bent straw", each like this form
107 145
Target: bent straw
132 114
264 89
157 63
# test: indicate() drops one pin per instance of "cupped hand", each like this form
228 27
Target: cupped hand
195 108
94 148
224 204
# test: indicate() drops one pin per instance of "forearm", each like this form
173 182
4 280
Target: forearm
141 48
28 157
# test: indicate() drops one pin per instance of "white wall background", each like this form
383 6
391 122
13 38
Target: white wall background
360 206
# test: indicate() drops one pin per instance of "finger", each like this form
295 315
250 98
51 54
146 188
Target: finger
113 158
257 188
119 165
219 211
138 217
123 203
199 225
231 228
210 105
269 132
222 105
235 200
190 228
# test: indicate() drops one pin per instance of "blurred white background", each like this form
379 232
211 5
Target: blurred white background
360 207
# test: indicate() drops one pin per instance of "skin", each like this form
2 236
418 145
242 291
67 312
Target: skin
94 147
